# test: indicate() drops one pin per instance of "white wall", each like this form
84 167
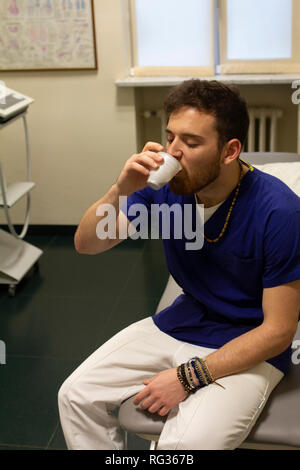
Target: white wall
82 129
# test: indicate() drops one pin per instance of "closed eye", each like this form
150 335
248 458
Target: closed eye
192 146
196 140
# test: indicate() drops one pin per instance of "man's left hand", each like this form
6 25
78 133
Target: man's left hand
162 392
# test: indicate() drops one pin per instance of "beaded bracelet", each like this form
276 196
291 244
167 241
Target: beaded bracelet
207 371
201 372
185 385
209 374
185 376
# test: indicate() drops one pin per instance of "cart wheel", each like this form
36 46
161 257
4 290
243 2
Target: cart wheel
11 290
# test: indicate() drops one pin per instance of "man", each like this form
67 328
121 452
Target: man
211 359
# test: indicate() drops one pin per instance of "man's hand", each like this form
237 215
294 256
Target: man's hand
162 392
137 168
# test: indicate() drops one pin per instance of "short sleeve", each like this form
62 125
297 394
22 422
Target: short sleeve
139 203
282 248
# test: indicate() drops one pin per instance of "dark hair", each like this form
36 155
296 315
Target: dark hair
213 97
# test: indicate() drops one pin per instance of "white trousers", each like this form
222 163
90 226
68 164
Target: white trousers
212 418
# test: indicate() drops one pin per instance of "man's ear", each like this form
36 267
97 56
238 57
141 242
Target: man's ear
232 150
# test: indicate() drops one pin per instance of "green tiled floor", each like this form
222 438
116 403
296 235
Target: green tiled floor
59 316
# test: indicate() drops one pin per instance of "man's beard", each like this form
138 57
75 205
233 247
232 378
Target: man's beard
192 184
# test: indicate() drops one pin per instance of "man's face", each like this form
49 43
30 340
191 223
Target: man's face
193 139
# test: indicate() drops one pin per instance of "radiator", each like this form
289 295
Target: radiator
262 135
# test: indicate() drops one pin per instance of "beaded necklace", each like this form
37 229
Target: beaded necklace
215 240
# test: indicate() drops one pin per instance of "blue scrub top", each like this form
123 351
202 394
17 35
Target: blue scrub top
223 282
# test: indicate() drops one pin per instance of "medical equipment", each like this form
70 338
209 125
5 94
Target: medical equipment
16 256
12 103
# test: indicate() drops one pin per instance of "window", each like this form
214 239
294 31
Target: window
197 37
259 36
173 37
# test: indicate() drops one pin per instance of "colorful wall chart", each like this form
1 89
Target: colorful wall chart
47 35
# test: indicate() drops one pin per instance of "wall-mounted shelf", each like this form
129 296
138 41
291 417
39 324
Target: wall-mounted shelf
236 79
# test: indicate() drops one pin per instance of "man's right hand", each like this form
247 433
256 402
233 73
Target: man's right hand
132 178
136 171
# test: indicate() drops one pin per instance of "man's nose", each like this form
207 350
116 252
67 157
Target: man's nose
175 150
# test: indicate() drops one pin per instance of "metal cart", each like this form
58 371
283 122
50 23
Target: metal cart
16 256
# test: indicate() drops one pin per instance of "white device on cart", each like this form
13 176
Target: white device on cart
12 103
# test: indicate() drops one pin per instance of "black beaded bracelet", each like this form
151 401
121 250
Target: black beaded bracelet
185 385
201 372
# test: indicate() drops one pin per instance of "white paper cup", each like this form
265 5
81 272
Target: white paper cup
169 168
